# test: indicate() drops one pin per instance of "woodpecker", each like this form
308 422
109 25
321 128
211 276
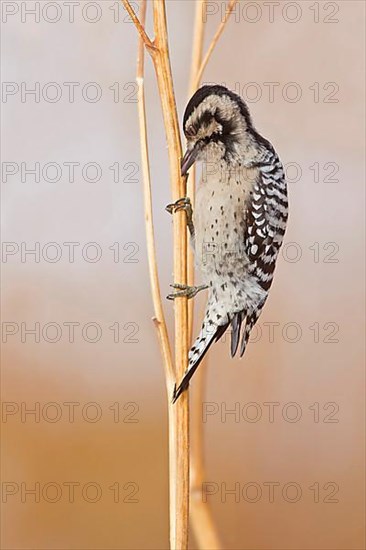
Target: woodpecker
239 220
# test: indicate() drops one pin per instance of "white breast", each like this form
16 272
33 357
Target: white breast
219 218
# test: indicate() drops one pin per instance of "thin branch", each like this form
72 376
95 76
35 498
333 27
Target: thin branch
159 319
178 413
203 524
139 26
198 37
197 50
197 459
201 518
214 41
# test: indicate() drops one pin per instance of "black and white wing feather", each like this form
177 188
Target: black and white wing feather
266 218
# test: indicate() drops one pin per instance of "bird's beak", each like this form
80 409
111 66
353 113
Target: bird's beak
188 159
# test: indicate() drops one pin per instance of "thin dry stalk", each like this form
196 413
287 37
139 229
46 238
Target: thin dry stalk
159 319
214 41
202 521
203 524
179 413
139 26
198 38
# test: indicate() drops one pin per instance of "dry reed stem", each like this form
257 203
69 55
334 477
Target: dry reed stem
202 521
214 41
159 319
178 413
203 525
198 38
139 26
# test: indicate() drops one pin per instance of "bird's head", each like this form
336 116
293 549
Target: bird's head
217 126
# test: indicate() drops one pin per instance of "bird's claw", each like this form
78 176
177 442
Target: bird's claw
185 290
181 204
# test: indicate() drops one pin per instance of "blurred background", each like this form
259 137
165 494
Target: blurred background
84 418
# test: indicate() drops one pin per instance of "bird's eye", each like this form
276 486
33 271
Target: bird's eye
190 131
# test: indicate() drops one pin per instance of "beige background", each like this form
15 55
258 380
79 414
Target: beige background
312 290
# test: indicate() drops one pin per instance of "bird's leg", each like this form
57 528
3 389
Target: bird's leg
183 204
185 290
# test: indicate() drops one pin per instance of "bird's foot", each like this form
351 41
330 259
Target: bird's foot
185 290
183 204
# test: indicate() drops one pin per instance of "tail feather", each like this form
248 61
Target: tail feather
235 335
209 334
250 322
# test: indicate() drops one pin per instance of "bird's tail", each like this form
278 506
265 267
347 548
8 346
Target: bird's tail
250 318
210 333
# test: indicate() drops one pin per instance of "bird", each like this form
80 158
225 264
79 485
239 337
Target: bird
239 220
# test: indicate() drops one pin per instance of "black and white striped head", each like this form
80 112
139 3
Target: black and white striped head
217 125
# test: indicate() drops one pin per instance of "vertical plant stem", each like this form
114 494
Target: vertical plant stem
178 413
159 319
198 38
183 268
215 39
202 522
